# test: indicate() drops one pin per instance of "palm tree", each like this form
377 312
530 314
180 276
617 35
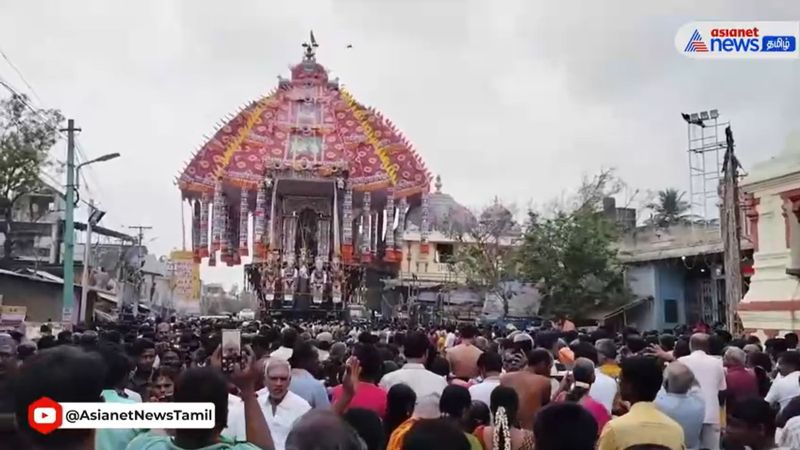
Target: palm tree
670 209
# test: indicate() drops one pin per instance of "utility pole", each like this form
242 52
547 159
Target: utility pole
730 231
87 257
139 240
68 295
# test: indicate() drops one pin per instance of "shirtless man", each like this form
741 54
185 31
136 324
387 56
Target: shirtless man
463 358
532 388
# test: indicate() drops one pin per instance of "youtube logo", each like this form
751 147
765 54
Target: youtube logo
44 415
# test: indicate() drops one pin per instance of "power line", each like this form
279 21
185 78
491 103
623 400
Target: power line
36 111
79 148
21 76
22 98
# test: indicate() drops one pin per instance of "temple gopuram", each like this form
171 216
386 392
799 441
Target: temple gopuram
327 182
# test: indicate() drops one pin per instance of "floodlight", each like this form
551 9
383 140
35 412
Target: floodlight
704 115
695 118
714 113
96 216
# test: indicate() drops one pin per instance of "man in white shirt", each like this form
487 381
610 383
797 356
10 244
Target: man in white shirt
324 339
288 340
427 385
450 337
281 407
787 386
490 365
710 375
605 388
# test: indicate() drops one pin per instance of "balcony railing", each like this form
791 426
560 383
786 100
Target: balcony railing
436 272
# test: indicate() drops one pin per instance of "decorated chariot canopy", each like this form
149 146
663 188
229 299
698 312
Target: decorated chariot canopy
306 146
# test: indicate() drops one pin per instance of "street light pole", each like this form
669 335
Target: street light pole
68 294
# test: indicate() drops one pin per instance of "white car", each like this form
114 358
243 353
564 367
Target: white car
247 314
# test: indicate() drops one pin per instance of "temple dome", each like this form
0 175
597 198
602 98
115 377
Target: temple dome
445 214
499 219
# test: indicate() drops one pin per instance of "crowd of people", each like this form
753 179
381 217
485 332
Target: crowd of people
391 386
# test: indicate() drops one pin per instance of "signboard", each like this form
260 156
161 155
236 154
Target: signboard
185 282
12 316
66 314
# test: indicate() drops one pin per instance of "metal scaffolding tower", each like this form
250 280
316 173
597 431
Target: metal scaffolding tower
706 145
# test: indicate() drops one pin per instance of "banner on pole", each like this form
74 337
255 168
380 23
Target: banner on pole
185 282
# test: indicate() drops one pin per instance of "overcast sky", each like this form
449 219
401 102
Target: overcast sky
516 98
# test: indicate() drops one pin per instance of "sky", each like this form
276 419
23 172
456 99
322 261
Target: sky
517 99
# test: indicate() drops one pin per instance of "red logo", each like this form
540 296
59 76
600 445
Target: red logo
44 415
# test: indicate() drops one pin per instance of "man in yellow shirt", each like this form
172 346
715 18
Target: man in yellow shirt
640 380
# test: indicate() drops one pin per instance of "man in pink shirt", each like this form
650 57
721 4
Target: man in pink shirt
368 394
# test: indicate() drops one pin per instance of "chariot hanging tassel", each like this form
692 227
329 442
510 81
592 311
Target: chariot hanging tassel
224 230
243 215
217 220
259 219
366 228
196 231
203 238
390 253
424 225
347 225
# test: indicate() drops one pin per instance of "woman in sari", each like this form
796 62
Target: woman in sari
503 433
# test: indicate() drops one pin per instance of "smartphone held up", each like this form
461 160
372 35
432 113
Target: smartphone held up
231 349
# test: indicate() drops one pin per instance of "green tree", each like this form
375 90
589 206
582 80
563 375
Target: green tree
484 254
26 137
570 255
669 209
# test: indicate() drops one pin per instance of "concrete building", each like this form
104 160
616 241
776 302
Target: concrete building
428 283
772 199
35 227
676 275
41 294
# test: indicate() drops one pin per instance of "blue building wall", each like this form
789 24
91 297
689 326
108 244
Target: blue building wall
670 285
661 280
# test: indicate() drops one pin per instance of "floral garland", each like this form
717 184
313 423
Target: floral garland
501 426
372 137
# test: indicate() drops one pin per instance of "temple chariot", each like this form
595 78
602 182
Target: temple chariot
311 185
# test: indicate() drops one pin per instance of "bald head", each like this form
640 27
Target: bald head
583 370
699 341
679 378
752 348
734 357
306 432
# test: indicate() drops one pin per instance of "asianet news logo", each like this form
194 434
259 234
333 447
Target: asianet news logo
739 40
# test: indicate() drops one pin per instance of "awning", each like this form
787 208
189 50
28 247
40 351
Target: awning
108 297
427 297
100 315
603 315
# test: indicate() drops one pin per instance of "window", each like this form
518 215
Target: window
444 253
670 311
